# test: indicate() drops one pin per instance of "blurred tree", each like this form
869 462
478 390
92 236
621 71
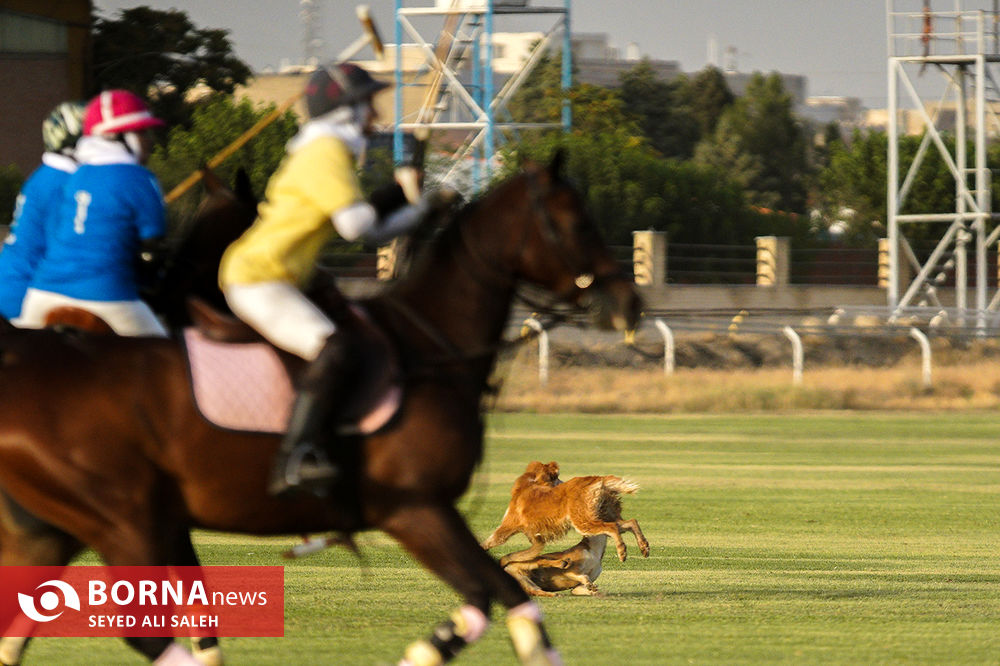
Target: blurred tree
214 125
539 99
619 138
11 180
161 55
599 110
707 96
760 143
831 135
853 187
627 186
664 118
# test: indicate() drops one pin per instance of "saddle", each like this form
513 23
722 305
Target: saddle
241 382
68 316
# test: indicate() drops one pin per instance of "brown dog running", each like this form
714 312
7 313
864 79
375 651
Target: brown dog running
574 569
544 508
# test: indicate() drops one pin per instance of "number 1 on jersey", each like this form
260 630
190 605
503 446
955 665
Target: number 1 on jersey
82 202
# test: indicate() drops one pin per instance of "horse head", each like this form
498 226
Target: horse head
562 251
192 267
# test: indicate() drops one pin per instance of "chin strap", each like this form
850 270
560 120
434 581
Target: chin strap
133 144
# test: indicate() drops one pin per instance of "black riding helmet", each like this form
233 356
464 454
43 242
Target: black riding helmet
337 85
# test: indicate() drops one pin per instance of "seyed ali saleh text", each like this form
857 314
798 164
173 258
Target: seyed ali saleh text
162 593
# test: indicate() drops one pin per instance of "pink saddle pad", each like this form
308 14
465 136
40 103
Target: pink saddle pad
241 387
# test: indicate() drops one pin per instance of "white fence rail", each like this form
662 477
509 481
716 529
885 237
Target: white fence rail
739 325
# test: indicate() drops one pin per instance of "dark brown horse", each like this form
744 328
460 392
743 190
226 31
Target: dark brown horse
98 433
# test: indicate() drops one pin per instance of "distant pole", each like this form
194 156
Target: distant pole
477 96
488 148
397 130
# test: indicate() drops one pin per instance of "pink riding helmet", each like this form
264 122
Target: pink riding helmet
117 111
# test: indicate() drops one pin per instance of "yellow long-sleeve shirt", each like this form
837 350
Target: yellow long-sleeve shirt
311 184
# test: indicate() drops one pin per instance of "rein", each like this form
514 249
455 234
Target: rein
451 353
491 276
483 271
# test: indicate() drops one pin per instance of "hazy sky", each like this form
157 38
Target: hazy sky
840 45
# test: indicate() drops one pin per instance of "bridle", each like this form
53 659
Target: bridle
584 279
484 272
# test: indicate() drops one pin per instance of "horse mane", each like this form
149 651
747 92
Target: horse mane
449 234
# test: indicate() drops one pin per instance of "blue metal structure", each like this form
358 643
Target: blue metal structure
460 64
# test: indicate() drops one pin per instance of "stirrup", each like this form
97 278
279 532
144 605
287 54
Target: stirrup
306 468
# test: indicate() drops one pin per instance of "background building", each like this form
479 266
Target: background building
44 60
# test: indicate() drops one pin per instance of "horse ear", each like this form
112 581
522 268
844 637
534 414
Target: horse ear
211 180
242 187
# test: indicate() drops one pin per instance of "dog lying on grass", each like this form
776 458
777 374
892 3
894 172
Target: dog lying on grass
574 569
543 508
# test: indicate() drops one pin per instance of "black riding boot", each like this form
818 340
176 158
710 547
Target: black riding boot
301 461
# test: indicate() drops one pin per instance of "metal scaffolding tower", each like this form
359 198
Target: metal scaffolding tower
457 77
947 54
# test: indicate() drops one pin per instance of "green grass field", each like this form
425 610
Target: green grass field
842 538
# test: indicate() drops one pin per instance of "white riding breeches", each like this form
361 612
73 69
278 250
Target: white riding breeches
283 315
127 318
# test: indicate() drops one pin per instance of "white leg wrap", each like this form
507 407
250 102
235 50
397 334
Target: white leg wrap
421 653
11 650
528 609
209 657
524 623
470 623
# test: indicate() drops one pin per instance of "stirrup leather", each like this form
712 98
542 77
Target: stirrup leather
307 463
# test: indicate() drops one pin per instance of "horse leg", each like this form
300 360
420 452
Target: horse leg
27 541
640 538
141 544
438 537
206 649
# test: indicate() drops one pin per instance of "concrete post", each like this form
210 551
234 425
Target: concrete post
649 257
883 263
388 260
773 260
883 266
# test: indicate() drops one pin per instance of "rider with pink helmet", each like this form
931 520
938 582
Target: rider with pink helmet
111 206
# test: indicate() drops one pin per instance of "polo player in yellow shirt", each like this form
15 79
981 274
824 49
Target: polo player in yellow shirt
263 272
